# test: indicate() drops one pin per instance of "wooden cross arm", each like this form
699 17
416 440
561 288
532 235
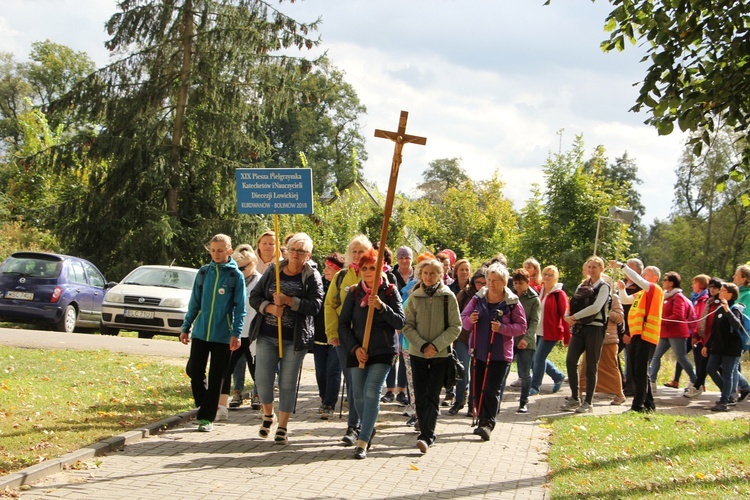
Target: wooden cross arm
402 138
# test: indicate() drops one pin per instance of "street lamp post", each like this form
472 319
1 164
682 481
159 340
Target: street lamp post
617 214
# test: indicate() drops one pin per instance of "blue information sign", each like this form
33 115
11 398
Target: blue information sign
274 191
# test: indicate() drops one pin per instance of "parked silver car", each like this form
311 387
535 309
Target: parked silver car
150 300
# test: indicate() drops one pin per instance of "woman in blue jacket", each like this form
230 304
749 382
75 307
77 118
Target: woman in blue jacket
380 354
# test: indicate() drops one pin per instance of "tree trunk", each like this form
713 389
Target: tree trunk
182 98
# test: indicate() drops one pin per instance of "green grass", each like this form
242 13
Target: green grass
636 456
56 401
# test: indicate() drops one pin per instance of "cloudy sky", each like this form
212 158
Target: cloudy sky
498 83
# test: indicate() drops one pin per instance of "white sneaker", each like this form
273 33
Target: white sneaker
692 392
584 408
570 405
222 413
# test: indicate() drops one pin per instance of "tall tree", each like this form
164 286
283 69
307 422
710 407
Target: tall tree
700 65
441 175
195 88
325 126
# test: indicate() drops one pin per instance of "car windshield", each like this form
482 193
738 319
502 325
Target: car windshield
169 278
31 267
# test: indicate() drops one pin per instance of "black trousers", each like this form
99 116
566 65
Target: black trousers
589 340
488 380
207 396
428 376
643 351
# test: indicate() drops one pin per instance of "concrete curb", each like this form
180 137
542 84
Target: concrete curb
49 467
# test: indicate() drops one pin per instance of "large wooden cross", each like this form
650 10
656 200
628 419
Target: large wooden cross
400 137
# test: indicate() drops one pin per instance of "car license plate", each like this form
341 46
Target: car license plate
10 294
135 313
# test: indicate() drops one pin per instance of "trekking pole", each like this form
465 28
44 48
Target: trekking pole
473 391
484 377
343 386
296 394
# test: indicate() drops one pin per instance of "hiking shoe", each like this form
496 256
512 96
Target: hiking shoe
326 412
412 421
205 426
516 383
402 399
584 408
720 407
692 392
388 397
732 401
236 401
743 394
222 413
448 400
673 384
483 432
618 400
533 392
557 386
360 453
255 402
523 408
423 446
570 405
457 407
351 436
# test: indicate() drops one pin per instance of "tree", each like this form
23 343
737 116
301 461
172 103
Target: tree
325 126
441 175
14 88
700 66
196 87
559 224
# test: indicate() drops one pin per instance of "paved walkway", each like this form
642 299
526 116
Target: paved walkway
233 462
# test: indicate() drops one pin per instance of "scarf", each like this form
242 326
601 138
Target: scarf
368 291
430 291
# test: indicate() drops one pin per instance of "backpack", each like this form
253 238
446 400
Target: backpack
584 296
744 329
231 282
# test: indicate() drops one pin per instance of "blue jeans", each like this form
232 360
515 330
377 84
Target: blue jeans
726 379
541 365
352 420
462 352
524 360
327 373
367 385
740 382
679 347
266 361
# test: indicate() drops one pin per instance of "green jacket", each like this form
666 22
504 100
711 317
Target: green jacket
531 306
744 296
425 322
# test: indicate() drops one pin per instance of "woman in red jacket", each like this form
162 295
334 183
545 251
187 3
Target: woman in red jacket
700 337
676 311
552 329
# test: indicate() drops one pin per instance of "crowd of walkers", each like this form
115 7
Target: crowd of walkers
409 328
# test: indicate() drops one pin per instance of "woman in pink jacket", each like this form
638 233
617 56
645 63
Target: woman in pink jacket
676 312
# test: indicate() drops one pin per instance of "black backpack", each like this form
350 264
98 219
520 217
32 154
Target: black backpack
584 296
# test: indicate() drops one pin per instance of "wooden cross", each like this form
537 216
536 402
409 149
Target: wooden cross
400 138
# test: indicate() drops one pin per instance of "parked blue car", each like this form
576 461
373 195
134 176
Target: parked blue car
59 290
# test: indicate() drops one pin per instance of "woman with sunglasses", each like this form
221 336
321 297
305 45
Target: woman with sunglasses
380 353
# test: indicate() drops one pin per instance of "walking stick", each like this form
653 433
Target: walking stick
484 377
296 394
473 391
343 386
400 138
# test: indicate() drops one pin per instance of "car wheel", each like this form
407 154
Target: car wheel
106 330
146 335
67 323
